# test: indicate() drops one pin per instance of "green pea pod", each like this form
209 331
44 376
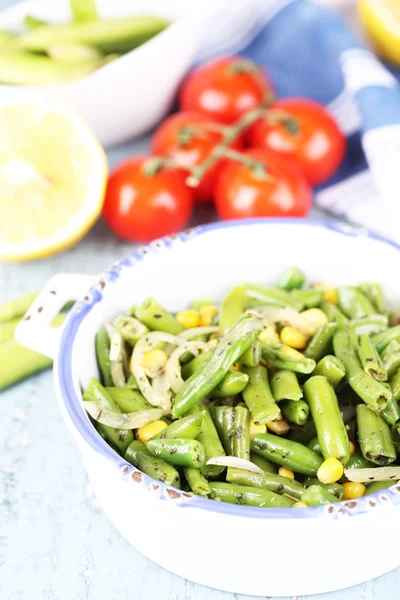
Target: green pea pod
374 293
295 411
232 308
197 482
321 341
314 445
138 455
356 461
391 413
332 368
157 318
128 400
394 383
241 433
354 303
186 428
252 356
377 486
178 451
285 386
369 325
258 396
290 279
223 418
265 465
374 436
335 489
103 356
383 339
209 438
310 298
316 495
248 496
270 481
391 358
195 364
277 357
232 384
95 392
287 453
334 314
331 431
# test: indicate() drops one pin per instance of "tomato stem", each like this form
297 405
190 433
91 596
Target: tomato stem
153 165
258 167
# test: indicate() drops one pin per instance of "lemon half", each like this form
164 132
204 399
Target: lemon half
381 19
53 173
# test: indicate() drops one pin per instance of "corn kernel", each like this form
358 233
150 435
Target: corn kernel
268 335
207 314
352 447
292 353
299 505
330 471
294 338
330 293
278 426
145 433
189 318
235 367
315 318
256 429
153 362
285 472
353 490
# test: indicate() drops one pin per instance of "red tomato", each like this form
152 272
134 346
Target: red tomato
310 136
186 138
140 207
225 89
243 191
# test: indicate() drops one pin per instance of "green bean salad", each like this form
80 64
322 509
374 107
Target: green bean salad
281 396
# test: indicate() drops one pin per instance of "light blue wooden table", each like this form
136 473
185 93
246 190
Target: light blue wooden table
55 542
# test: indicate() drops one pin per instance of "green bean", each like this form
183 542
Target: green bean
321 341
16 308
391 413
383 339
208 437
285 386
394 383
256 295
223 417
232 384
232 308
128 400
295 411
277 357
303 435
187 427
356 461
287 453
370 359
369 325
270 481
131 329
109 35
138 455
354 303
197 304
374 436
332 368
178 451
103 356
331 431
316 495
334 314
291 278
258 396
372 392
314 445
241 433
374 293
333 488
197 482
377 486
195 364
264 464
249 496
7 330
391 357
95 392
242 335
252 356
84 10
310 298
156 318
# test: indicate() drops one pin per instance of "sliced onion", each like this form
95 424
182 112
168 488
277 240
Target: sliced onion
188 334
237 463
131 420
118 358
373 474
286 316
115 345
162 384
173 367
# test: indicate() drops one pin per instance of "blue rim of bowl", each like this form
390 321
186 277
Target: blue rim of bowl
73 401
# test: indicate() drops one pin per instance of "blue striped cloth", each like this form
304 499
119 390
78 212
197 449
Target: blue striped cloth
308 51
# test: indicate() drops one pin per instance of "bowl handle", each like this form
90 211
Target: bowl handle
35 331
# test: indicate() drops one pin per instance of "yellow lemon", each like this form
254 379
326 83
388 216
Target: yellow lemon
53 174
381 19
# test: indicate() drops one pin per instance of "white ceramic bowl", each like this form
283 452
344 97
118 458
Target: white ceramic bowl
130 95
265 552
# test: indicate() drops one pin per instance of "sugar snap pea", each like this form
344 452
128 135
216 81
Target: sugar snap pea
316 495
332 368
232 384
187 427
178 451
248 496
321 341
286 453
291 278
270 481
265 465
369 325
354 303
391 357
295 411
335 489
382 339
138 455
374 436
280 357
212 445
252 356
373 291
258 396
197 482
195 364
157 318
377 486
285 386
310 298
128 400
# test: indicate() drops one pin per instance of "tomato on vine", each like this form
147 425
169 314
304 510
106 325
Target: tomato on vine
225 89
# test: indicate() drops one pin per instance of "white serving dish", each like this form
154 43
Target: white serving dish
265 552
131 94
